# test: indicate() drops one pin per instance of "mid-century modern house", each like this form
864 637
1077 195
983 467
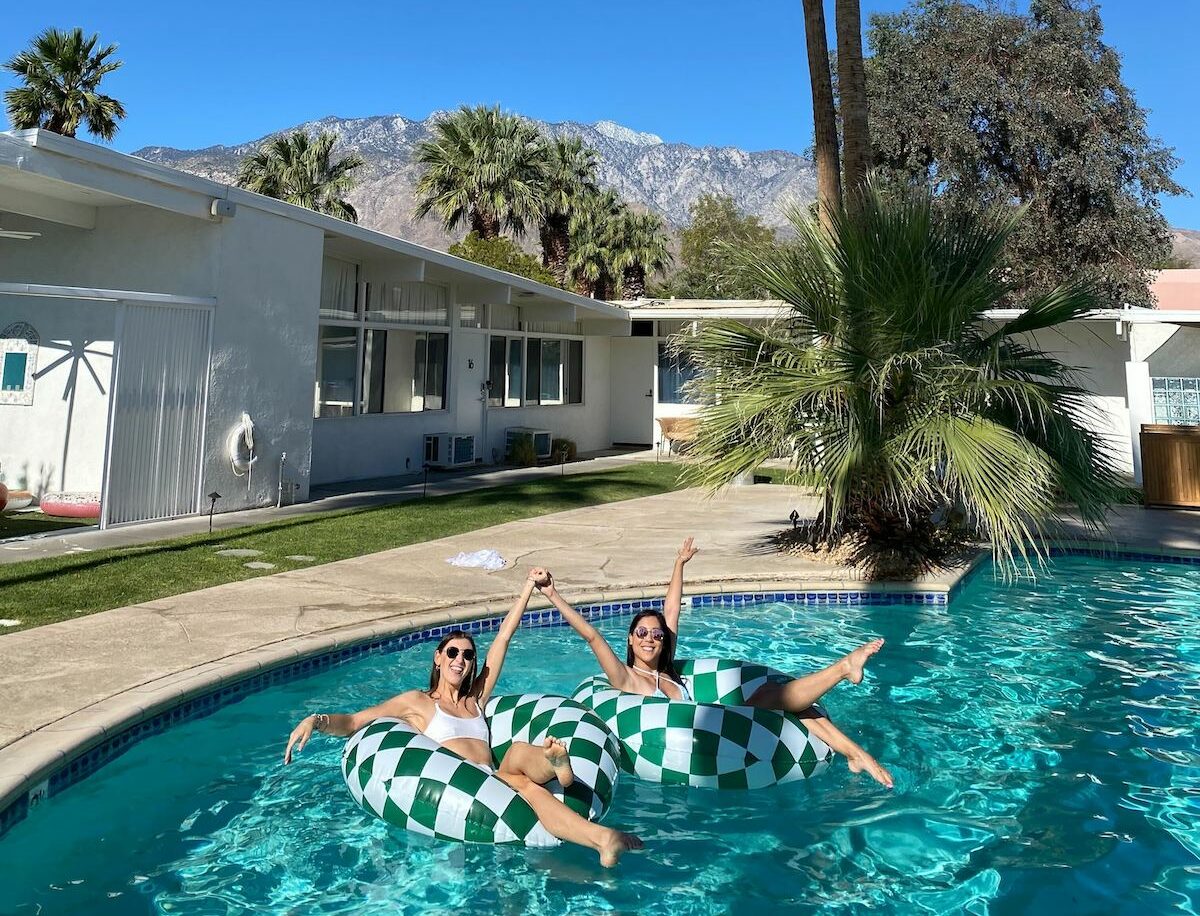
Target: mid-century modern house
164 336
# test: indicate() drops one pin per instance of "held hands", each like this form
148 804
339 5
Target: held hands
539 576
299 737
545 583
687 551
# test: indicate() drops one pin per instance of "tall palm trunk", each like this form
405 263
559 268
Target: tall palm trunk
829 177
555 237
852 89
485 224
633 282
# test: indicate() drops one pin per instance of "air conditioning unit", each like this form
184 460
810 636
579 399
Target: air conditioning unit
447 450
541 439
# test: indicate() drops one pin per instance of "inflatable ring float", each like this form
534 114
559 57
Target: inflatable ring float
715 742
396 773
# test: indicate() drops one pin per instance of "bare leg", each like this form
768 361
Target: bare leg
567 825
799 694
857 759
539 764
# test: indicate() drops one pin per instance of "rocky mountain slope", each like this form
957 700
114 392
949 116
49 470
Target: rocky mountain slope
648 172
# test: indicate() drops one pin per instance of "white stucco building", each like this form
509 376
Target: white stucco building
143 311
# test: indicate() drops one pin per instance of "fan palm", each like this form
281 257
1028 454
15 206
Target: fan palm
299 169
593 225
639 250
570 177
892 392
483 168
61 73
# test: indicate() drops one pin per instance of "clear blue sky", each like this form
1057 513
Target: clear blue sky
700 71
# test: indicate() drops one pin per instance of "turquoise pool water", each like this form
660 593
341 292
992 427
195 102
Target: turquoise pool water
1043 736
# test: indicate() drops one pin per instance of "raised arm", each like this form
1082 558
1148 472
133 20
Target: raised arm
342 725
497 651
614 669
675 590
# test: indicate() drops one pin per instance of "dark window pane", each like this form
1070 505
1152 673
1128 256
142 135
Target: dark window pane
374 361
514 373
551 387
496 375
337 356
673 373
435 375
574 372
640 327
533 364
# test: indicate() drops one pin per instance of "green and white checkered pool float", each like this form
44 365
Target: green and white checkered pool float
396 773
715 742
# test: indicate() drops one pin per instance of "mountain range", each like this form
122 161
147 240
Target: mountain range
650 173
644 169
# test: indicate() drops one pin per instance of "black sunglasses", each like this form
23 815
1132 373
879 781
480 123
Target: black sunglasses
656 634
452 653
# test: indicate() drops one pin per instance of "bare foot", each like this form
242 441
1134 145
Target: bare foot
615 844
855 661
556 756
864 761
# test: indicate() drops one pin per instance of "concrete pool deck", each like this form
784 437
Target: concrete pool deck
66 686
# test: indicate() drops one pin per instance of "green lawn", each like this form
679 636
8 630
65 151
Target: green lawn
37 592
12 526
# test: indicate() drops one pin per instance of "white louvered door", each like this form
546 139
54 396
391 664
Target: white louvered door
156 437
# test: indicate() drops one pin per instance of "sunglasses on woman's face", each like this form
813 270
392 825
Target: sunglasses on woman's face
452 653
656 634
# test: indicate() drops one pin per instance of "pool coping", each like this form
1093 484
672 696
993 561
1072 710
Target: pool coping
50 759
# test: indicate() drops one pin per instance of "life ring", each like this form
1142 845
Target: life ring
715 741
241 439
396 773
17 500
71 505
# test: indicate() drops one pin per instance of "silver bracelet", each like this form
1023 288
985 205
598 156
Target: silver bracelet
322 721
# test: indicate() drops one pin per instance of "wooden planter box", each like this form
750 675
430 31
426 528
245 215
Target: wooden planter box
1171 465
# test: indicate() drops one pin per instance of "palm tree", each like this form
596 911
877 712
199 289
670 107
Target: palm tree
570 177
639 250
593 230
852 94
298 169
825 139
892 392
61 72
483 168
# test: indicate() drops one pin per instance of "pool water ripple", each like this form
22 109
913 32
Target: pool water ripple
1043 736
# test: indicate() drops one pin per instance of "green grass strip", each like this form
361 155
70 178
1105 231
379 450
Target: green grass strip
38 592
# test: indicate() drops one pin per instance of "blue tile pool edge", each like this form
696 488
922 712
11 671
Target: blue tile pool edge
67 772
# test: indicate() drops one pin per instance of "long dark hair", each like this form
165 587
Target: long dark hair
666 658
472 685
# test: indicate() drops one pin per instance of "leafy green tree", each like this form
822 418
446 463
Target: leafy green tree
893 394
485 169
993 107
60 74
570 177
639 249
594 222
502 253
300 169
709 250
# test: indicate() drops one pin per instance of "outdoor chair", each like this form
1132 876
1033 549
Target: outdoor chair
676 433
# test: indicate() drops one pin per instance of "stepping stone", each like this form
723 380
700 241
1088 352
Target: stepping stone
8 622
239 552
258 565
301 558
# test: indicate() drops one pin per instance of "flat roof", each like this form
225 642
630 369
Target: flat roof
76 177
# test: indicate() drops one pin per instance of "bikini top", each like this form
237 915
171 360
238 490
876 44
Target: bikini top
443 727
659 692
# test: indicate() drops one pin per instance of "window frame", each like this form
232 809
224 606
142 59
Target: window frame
529 379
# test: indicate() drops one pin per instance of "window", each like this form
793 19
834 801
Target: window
403 371
674 371
339 289
471 316
554 370
504 372
13 377
407 302
337 353
640 327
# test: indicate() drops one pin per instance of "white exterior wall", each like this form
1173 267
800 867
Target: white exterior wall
264 271
57 443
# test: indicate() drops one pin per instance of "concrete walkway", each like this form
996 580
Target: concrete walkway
356 494
64 686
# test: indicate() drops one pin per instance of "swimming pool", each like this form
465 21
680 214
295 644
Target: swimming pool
1043 736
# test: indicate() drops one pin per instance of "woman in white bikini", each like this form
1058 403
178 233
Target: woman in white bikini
649 668
451 713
